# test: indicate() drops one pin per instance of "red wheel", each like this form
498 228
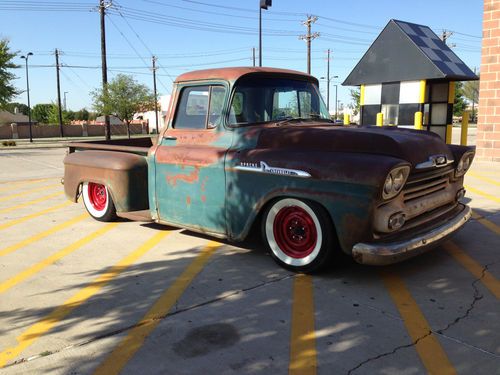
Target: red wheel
98 202
298 233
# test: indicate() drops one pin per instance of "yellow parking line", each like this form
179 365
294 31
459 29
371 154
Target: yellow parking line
303 336
428 347
30 203
39 236
488 224
32 216
488 280
120 356
46 323
483 194
9 283
483 178
24 182
26 192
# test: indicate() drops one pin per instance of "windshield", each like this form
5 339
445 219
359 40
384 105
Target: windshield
262 99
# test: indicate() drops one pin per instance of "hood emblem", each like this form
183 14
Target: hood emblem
436 161
263 167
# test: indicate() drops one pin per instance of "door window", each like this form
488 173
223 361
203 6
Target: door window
200 107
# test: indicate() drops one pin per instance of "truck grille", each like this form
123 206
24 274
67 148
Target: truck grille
420 185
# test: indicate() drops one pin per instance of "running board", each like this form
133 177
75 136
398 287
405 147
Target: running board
144 215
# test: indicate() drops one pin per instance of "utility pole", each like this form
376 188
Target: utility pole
308 37
59 108
253 55
445 35
64 100
263 4
328 82
154 91
102 12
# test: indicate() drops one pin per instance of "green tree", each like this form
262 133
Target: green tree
355 97
123 98
82 115
54 115
7 89
459 104
11 107
41 113
471 93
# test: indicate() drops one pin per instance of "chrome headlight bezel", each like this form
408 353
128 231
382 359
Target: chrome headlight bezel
390 189
464 163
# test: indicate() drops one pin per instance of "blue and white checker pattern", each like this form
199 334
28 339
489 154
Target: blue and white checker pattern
436 50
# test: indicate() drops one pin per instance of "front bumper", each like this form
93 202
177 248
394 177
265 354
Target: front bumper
384 253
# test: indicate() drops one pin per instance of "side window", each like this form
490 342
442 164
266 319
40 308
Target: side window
217 96
199 104
236 114
285 105
305 99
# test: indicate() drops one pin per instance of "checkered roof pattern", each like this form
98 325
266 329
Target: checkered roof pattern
435 49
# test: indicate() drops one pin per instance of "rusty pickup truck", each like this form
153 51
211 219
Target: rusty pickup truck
256 146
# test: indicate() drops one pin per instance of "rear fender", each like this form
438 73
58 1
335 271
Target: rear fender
124 174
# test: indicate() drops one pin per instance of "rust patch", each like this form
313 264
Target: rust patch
188 200
204 183
194 155
198 137
190 178
204 198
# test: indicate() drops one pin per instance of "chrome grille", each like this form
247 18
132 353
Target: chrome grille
420 185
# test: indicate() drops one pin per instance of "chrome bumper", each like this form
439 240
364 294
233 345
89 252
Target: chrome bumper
392 252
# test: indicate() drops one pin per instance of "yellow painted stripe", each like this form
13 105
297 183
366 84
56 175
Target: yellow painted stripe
24 182
483 194
125 350
303 336
22 194
32 216
428 348
9 283
488 280
31 203
48 322
41 235
488 224
483 178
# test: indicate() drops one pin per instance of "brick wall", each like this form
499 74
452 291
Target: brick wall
488 127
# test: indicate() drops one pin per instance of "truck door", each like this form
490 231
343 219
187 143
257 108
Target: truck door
190 176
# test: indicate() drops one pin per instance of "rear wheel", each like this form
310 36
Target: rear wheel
299 234
98 201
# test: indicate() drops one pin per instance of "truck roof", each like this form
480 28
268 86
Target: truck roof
233 73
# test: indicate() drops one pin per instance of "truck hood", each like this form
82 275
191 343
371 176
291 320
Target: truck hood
413 146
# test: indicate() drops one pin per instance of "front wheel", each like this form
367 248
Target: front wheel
98 201
299 234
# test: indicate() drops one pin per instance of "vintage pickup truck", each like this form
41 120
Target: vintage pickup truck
246 146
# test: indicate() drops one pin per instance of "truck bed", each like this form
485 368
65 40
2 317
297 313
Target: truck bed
138 146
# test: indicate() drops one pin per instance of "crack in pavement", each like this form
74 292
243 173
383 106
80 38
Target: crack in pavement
476 297
144 322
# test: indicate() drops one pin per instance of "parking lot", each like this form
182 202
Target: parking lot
79 296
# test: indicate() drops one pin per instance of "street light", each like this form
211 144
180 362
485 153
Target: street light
28 91
65 108
264 4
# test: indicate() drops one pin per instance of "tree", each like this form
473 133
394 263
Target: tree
471 93
41 112
11 107
459 104
82 115
355 96
7 89
123 98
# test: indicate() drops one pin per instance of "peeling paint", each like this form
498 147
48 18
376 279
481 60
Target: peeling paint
190 178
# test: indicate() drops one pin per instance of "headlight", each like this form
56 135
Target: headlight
395 181
464 164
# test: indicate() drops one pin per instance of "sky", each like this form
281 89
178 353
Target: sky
188 35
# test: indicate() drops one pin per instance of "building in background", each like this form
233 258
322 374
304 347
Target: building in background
488 126
406 70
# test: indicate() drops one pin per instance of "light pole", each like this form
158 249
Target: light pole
264 4
28 91
65 107
336 101
328 79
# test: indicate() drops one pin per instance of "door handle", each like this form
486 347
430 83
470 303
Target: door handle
171 138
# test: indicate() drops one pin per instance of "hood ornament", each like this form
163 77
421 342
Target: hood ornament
435 161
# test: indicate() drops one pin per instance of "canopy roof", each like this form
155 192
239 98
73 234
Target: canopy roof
405 51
